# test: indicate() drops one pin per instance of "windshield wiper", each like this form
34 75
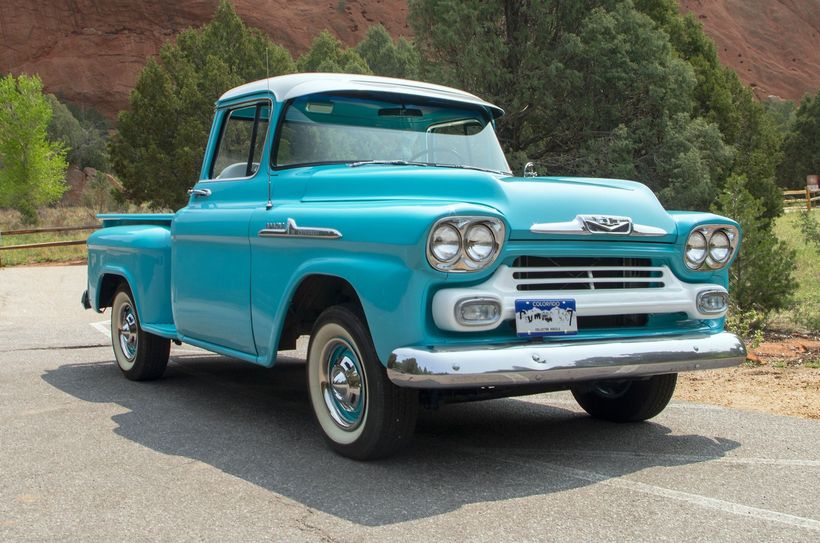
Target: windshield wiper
396 162
399 162
465 167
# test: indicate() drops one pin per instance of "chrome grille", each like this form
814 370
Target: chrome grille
538 273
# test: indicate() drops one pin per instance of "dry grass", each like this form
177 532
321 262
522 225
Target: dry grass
51 217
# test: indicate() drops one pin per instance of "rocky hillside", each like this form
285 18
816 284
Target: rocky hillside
90 51
774 45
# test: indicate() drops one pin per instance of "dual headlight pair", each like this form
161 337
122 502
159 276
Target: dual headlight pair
710 246
465 243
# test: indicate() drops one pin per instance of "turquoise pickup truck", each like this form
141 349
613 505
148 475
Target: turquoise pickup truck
380 217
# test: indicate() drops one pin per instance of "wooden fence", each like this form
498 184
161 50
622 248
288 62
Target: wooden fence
43 244
794 200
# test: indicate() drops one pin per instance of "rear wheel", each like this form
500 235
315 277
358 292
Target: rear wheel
362 414
140 356
626 400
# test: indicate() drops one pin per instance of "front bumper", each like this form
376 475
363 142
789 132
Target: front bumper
555 363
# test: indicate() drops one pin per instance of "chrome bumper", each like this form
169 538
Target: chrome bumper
537 363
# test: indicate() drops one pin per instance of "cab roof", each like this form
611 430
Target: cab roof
286 87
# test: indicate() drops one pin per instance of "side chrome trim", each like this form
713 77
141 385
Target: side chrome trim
290 229
567 362
579 226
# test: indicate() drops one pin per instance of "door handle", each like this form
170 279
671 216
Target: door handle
199 192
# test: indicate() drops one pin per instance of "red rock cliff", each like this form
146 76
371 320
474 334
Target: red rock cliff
91 51
773 45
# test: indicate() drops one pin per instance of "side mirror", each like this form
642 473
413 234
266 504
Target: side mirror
529 170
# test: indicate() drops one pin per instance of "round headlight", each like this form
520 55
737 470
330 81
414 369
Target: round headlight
696 249
445 243
720 247
479 242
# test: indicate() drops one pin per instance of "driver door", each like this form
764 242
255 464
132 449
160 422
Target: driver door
211 249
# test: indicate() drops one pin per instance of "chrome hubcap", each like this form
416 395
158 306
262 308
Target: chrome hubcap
127 331
342 384
612 389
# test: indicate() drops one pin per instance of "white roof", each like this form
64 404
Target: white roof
286 87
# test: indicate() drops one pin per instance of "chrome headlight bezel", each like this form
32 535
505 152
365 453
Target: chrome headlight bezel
708 231
463 262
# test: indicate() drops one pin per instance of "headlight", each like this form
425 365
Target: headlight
696 249
479 242
720 247
710 246
462 244
445 243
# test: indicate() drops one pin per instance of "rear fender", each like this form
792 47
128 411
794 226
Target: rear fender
141 255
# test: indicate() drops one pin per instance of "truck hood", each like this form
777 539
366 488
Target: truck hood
551 202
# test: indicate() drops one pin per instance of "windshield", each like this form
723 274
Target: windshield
321 129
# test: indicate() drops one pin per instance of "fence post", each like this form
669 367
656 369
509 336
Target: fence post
808 199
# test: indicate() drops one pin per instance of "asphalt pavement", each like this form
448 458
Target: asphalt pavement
221 450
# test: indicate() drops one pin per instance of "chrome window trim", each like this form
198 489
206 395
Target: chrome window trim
228 110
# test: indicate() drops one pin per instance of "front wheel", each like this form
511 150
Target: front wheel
140 356
361 413
628 400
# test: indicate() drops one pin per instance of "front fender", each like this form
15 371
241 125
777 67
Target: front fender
385 286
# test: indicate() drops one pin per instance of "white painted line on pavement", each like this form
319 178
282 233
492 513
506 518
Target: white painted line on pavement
683 458
635 486
102 327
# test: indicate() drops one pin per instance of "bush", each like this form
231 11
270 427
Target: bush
810 229
746 324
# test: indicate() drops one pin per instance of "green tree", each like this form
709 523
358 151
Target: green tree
801 147
720 97
761 276
85 142
32 169
782 113
327 54
591 88
158 150
387 57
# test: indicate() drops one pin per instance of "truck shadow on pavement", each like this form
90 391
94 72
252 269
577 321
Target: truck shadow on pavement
256 424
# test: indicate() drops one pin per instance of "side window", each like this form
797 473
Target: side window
241 142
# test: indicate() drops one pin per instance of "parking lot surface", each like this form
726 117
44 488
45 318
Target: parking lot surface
221 450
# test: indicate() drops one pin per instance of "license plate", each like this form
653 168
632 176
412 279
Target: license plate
545 317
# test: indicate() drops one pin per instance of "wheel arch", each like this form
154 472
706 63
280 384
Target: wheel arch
107 287
313 294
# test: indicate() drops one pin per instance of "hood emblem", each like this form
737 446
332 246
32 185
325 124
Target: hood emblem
598 224
607 224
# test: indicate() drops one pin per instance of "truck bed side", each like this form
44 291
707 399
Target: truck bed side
135 249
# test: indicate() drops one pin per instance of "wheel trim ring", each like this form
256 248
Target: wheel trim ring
127 332
342 384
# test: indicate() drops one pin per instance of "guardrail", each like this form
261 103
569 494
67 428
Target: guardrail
805 198
45 243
